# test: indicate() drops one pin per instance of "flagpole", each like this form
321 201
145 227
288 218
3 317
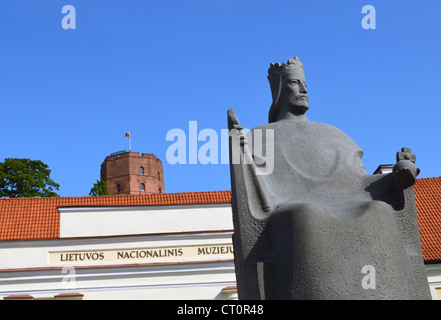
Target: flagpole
130 140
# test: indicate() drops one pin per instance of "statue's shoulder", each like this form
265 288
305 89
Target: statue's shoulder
271 125
307 129
306 125
324 126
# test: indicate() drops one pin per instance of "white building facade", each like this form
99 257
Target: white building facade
139 252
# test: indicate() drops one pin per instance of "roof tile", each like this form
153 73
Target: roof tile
38 218
428 203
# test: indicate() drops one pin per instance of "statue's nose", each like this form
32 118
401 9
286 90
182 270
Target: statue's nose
303 88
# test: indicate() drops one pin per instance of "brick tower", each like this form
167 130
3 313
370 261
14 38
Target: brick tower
133 173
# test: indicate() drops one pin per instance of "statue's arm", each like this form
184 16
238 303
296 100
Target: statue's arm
405 171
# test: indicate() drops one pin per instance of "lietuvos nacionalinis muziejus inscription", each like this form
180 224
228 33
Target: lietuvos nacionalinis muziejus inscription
308 228
158 254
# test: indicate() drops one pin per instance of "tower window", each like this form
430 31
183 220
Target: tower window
118 188
141 171
142 186
159 176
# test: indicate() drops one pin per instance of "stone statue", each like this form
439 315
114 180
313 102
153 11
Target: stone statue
317 225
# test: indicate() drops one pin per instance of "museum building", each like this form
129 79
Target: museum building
142 243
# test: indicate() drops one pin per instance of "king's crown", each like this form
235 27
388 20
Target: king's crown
277 69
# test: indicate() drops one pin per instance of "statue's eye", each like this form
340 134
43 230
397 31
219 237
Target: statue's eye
294 82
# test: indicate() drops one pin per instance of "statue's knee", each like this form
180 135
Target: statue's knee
299 209
309 208
377 206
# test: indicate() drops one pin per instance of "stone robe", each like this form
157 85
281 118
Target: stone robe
319 226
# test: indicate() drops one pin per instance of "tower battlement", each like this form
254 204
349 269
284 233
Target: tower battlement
133 173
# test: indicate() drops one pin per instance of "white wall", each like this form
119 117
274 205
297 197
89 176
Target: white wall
26 269
110 221
434 276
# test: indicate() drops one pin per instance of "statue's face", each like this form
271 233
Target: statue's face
294 93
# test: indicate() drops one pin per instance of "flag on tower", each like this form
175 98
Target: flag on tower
130 140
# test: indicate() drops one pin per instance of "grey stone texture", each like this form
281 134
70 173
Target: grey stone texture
319 226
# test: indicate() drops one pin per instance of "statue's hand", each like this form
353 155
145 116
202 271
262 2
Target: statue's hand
405 171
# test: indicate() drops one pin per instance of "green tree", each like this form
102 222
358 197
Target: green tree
99 188
26 178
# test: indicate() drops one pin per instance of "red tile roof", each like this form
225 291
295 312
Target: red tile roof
428 203
38 218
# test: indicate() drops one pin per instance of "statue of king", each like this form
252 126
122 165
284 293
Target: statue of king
317 225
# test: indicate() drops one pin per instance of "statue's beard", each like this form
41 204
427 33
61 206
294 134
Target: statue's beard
301 109
300 106
295 106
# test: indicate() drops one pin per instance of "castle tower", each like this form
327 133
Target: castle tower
133 173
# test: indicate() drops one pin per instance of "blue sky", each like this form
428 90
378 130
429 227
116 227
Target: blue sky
67 97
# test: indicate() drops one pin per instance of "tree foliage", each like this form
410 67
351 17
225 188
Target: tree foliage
99 188
26 178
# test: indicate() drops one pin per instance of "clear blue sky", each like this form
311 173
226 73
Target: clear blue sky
67 97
